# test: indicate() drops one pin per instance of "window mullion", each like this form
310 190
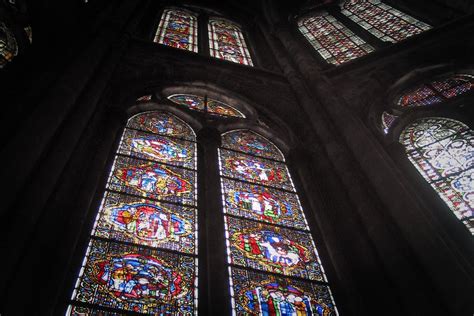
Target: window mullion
213 278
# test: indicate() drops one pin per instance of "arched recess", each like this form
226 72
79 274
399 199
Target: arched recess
266 231
428 116
100 290
442 150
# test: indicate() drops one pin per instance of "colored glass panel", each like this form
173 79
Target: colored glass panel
87 311
256 293
443 152
251 143
438 91
273 249
178 28
387 121
161 123
198 103
8 45
332 40
144 98
152 180
227 42
158 148
137 279
262 203
145 222
381 20
253 169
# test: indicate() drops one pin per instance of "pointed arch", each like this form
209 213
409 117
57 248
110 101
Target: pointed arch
142 253
442 150
178 28
266 231
226 41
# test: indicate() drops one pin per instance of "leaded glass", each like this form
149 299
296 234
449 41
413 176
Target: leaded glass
437 91
145 222
227 42
152 180
262 203
256 293
178 28
381 20
387 121
202 104
332 40
144 98
251 143
161 123
443 152
273 249
8 45
253 169
123 270
137 279
158 148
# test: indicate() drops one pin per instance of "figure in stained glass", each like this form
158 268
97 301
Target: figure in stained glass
260 294
152 180
145 222
332 40
265 204
137 279
381 20
251 143
255 170
158 148
269 248
161 123
443 151
227 42
178 28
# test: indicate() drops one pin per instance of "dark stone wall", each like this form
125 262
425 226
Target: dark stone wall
384 241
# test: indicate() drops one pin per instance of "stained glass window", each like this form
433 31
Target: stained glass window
144 98
204 104
438 91
226 41
142 254
8 45
387 120
331 39
381 20
178 28
273 263
442 150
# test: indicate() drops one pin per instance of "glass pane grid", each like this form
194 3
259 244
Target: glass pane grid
142 254
178 29
274 267
227 42
383 21
340 44
442 150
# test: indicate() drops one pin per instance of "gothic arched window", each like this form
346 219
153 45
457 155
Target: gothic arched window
266 231
442 150
331 39
438 91
381 20
178 28
226 41
8 45
142 253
